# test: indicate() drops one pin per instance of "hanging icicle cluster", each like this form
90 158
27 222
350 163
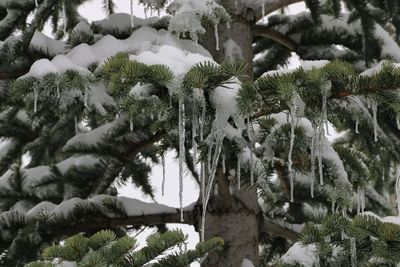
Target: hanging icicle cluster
215 150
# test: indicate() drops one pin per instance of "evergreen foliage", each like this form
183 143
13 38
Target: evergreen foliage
105 249
69 136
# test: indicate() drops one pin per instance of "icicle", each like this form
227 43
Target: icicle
321 175
58 89
357 124
132 16
35 99
291 187
36 3
313 160
398 121
216 36
398 191
327 127
293 121
223 164
325 91
333 205
358 201
362 195
209 158
64 10
181 151
353 252
107 2
202 165
86 99
375 119
76 125
238 171
215 159
163 174
228 24
131 124
194 134
263 11
251 146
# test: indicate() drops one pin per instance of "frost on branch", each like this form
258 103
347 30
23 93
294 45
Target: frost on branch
188 15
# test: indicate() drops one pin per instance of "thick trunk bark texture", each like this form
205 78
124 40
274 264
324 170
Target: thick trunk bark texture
239 229
233 217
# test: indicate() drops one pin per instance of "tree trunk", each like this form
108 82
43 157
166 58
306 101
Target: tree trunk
239 229
233 216
240 32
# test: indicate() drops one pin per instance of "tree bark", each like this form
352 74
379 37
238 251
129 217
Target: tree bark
233 216
240 32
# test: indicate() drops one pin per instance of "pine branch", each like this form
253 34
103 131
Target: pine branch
268 32
137 148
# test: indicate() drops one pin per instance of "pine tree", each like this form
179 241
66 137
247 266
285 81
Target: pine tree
99 104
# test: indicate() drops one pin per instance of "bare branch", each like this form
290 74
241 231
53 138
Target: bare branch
93 224
285 230
10 76
268 32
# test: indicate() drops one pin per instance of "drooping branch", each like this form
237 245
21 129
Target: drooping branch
139 147
268 32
